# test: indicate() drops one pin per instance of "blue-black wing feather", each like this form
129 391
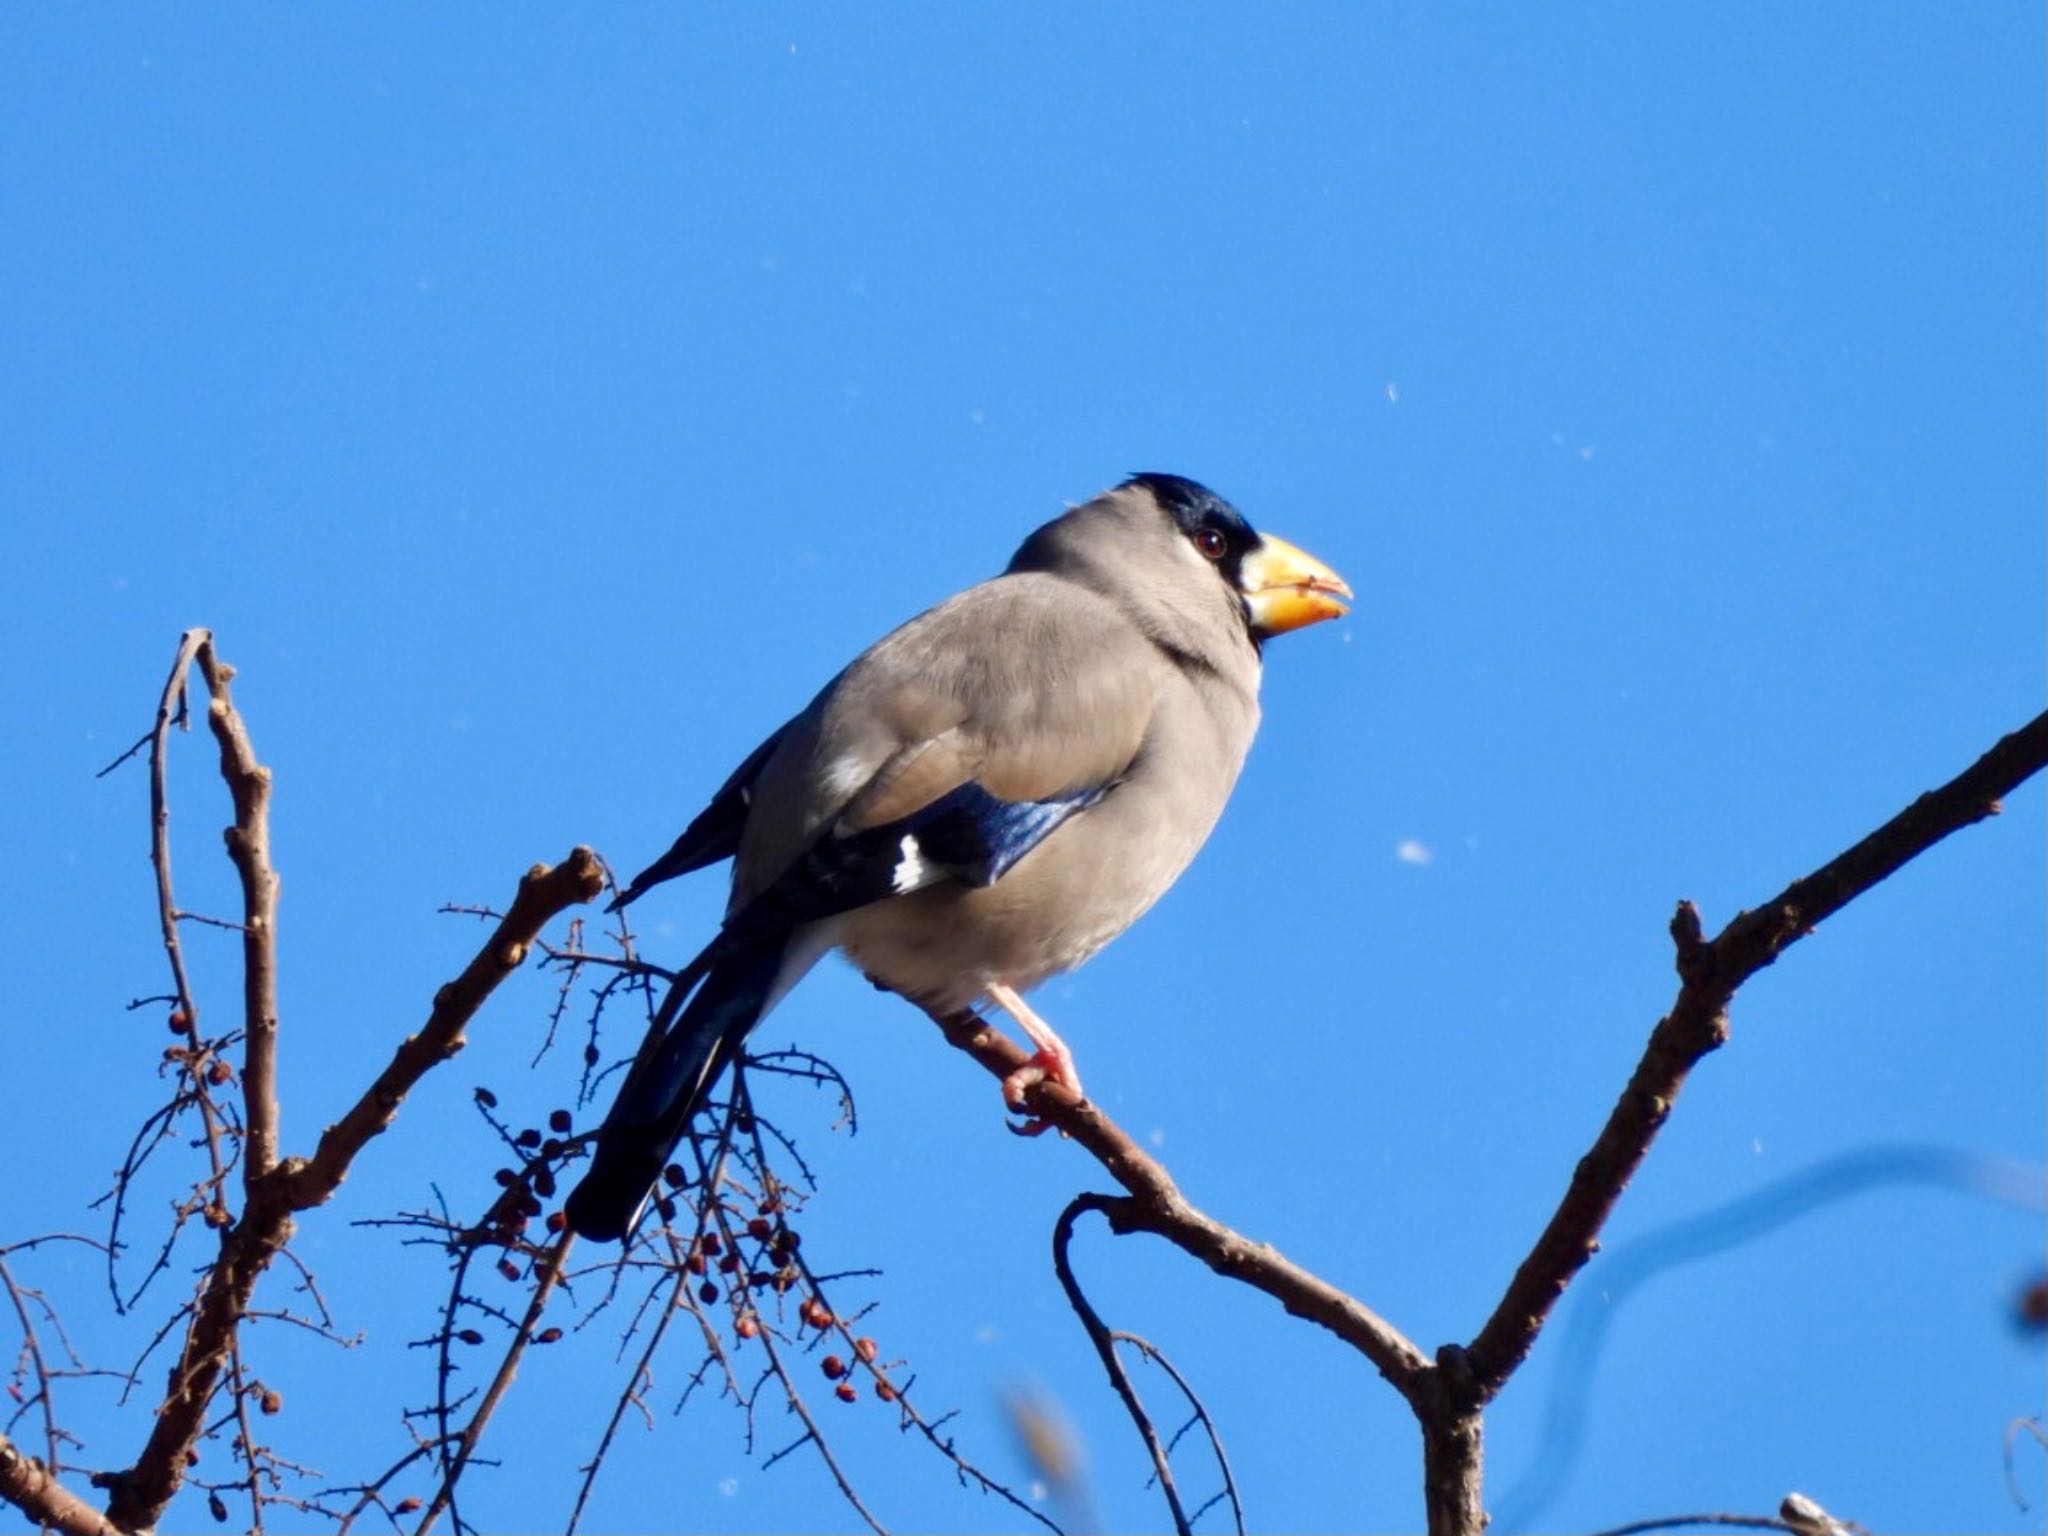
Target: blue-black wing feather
713 835
966 835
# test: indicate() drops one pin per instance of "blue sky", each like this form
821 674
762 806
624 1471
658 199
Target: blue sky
540 404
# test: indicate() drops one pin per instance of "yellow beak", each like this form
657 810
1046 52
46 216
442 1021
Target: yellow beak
1287 588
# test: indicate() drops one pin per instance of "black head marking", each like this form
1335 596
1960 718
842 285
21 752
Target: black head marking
1196 509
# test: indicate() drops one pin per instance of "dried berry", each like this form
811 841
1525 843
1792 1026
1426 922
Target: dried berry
707 1293
590 1056
488 1099
192 1457
867 1349
846 1392
746 1327
548 1336
504 1178
179 1022
885 1392
833 1367
470 1336
527 1138
761 1229
217 1508
711 1242
405 1506
672 1176
557 1222
508 1269
218 1072
544 1184
695 1264
559 1122
729 1264
271 1400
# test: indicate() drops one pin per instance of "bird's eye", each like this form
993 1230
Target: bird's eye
1211 543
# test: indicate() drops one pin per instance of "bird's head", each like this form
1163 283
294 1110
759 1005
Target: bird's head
1281 586
1185 563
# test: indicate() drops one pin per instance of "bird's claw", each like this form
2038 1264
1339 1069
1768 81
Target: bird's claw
1047 1066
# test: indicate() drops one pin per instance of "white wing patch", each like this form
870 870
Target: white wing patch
844 779
910 870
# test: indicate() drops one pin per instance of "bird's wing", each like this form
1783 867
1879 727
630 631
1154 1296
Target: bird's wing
713 835
949 751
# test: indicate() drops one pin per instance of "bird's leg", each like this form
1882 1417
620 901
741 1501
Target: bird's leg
1052 1063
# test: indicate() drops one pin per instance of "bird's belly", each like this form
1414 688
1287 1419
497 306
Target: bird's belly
943 945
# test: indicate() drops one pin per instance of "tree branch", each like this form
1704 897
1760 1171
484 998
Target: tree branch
1155 1205
543 893
1105 1349
141 1494
27 1484
1710 972
501 1382
1449 1395
248 841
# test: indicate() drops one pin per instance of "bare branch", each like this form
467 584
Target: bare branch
170 710
472 1432
39 1367
141 1493
1710 973
1105 1349
1449 1394
27 1484
248 843
544 892
1157 1206
1199 1410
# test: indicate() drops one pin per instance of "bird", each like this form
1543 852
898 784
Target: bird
983 799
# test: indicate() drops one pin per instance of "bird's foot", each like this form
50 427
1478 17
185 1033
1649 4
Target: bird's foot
1053 1063
1047 1066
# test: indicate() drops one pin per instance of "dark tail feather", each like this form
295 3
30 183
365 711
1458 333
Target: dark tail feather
664 1089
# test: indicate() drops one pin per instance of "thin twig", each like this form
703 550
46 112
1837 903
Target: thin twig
1200 1411
170 710
545 1282
679 1288
1105 1349
33 1345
